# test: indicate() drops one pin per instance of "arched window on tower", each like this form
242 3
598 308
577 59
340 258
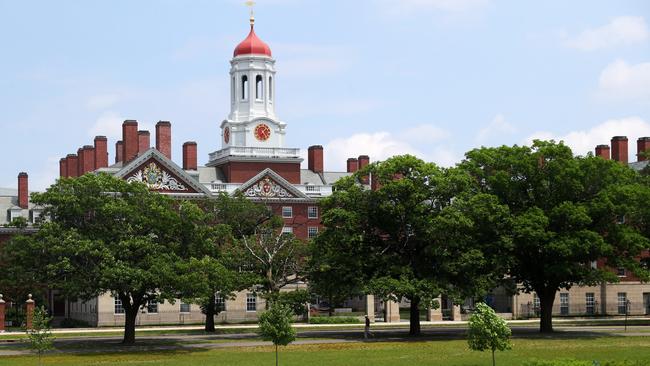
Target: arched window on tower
270 87
244 87
259 87
232 90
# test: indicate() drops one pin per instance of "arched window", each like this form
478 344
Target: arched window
259 87
270 87
232 90
244 87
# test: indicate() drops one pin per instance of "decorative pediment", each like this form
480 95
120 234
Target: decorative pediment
156 178
268 184
267 188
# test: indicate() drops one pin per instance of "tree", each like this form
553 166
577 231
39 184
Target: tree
564 214
106 235
275 326
488 331
414 235
40 337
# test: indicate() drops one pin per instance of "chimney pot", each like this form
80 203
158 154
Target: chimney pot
189 156
130 139
72 161
119 149
352 165
315 158
63 168
619 149
603 151
101 152
144 141
164 138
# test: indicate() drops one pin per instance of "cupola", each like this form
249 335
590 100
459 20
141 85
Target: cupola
252 45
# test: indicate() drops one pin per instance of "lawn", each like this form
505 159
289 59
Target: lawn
431 353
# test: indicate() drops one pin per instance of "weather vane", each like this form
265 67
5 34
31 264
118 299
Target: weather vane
251 5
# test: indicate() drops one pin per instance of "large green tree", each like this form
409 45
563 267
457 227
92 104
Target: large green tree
414 235
565 212
105 235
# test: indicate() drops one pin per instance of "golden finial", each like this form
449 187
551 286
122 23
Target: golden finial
251 5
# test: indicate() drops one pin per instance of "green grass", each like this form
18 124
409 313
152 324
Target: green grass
414 353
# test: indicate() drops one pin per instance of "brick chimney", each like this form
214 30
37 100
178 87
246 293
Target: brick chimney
80 162
189 156
119 149
101 152
315 158
72 162
23 190
603 151
63 168
353 165
619 149
144 141
164 138
642 145
364 161
130 139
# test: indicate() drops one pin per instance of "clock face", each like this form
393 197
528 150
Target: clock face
226 135
262 132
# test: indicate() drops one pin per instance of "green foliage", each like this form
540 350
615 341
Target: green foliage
334 320
18 222
295 300
275 326
487 331
40 337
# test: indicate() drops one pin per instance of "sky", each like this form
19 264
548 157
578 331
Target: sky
434 78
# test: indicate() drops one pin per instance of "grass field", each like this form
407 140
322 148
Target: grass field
431 353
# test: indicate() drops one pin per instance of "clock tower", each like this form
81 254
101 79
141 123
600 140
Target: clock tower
252 133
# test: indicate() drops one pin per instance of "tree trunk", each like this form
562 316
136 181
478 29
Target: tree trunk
209 315
130 314
276 355
546 300
493 362
414 321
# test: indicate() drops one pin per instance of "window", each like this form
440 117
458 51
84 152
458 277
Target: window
594 264
564 303
270 87
152 307
287 211
119 309
185 308
590 303
535 303
620 272
622 302
287 230
220 302
251 302
244 87
232 90
312 212
259 87
312 231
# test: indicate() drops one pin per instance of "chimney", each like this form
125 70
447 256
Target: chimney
88 164
144 141
353 165
80 162
189 155
315 158
101 152
642 145
119 149
23 191
130 139
164 138
603 151
364 161
63 168
72 162
619 149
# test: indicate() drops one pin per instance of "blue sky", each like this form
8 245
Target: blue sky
430 77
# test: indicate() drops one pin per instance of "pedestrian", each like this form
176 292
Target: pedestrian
366 332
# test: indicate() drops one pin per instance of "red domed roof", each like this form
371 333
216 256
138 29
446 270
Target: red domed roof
252 45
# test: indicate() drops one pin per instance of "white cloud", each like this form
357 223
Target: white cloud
620 80
109 124
498 127
46 175
623 30
584 141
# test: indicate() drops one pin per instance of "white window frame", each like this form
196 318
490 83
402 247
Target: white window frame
117 304
590 303
564 303
187 311
220 299
287 230
150 304
621 272
289 213
312 232
312 212
251 299
621 302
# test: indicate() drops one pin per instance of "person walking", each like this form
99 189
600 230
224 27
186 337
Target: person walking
366 332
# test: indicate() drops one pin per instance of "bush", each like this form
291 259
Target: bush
334 320
73 323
